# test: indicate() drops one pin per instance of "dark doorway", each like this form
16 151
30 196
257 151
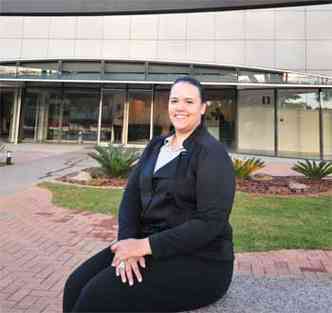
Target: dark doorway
6 107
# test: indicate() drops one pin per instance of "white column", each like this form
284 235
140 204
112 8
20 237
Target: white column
151 115
125 120
100 113
17 114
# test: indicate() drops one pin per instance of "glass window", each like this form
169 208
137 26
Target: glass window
327 123
80 115
81 70
246 76
53 111
167 72
221 115
204 73
41 114
124 71
139 116
256 122
161 121
298 123
297 78
112 116
7 71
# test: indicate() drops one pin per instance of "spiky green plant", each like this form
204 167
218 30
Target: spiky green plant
244 168
114 161
313 169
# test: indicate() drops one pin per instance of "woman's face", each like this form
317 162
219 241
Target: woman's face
185 107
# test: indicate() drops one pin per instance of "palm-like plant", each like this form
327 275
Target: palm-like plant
244 168
313 169
114 161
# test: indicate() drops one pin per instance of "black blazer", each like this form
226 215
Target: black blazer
184 207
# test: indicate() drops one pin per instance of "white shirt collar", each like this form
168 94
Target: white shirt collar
167 143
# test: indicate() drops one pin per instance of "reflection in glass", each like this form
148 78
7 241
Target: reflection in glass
215 74
41 114
80 115
327 123
259 77
220 116
139 116
161 121
298 78
256 122
7 71
298 123
112 116
53 107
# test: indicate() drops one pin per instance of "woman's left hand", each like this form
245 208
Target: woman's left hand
128 248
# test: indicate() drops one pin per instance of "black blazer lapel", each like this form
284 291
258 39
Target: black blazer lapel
147 175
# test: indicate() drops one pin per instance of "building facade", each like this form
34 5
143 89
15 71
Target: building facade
106 78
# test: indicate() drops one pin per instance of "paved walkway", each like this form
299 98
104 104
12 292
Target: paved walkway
34 163
40 244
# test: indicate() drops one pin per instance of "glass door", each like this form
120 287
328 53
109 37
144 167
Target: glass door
255 130
6 115
139 116
221 115
80 115
298 123
28 129
112 116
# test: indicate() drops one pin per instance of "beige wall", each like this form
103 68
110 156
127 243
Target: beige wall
327 135
293 38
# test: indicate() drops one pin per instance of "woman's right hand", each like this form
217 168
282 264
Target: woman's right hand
131 269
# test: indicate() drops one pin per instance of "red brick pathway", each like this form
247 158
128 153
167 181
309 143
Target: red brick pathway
40 244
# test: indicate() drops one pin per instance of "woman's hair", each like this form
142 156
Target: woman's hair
194 82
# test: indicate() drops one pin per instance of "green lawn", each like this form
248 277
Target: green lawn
260 223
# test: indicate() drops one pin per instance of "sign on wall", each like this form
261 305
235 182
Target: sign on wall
117 7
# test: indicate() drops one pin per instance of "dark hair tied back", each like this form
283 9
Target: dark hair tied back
192 81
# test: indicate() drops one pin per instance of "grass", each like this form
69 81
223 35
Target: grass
95 200
259 223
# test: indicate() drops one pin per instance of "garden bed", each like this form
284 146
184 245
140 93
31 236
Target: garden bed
258 184
280 185
96 181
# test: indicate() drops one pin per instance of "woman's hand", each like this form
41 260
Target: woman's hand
131 267
128 248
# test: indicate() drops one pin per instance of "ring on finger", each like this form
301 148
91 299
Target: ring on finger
122 265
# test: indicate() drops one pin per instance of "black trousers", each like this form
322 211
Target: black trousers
170 285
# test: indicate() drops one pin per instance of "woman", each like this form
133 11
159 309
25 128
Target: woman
174 250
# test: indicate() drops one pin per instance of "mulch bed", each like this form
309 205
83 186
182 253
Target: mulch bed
279 185
96 182
273 185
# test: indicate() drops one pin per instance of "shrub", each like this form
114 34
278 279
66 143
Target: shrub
313 169
114 161
244 168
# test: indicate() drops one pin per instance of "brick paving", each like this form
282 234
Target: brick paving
40 244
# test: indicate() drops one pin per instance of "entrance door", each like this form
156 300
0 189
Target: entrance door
6 107
112 116
28 130
221 115
298 123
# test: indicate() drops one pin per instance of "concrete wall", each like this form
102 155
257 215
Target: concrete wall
290 38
